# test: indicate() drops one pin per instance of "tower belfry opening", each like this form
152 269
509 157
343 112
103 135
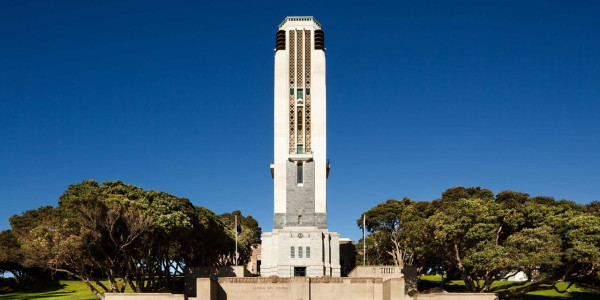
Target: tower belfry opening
300 166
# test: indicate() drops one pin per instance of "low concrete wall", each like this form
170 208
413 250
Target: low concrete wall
325 288
393 289
264 288
207 289
457 296
191 274
384 272
409 274
376 271
143 296
302 288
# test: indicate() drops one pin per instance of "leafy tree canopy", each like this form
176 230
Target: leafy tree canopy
485 238
117 230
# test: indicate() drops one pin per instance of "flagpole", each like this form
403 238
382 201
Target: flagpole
364 242
236 234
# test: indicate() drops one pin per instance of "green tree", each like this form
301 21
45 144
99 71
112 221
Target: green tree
394 235
459 192
119 231
593 208
486 238
552 242
378 245
248 238
11 258
209 242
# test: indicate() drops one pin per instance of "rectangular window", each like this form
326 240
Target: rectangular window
300 148
299 271
307 91
291 92
299 252
292 252
307 252
300 94
300 173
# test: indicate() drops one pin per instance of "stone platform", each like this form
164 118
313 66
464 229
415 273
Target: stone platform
363 283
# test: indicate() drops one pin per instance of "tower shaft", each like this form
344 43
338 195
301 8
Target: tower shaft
300 148
300 244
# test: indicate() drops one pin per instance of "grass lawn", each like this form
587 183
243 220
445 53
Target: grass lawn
576 292
65 289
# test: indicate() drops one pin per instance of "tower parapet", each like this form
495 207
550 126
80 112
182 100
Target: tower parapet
299 21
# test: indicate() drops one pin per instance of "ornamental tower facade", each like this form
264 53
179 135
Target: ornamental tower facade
300 244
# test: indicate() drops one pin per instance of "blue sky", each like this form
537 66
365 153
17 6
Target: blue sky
178 96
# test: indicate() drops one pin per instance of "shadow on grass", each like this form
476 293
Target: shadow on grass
457 286
448 286
39 295
35 290
569 296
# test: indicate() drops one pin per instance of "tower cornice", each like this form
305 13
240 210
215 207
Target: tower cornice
300 19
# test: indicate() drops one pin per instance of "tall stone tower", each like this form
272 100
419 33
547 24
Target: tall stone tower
300 244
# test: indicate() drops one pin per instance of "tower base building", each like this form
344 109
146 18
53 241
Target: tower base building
300 243
295 251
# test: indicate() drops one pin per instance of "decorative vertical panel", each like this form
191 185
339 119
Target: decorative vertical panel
300 121
307 71
300 46
292 97
300 78
300 57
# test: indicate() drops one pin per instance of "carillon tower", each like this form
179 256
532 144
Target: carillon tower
300 244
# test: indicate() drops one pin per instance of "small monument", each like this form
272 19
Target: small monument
300 243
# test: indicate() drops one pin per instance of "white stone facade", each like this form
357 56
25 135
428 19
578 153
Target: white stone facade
288 249
300 166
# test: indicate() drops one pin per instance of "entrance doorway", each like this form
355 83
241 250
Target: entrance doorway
299 271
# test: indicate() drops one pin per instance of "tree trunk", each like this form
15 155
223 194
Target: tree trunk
101 285
125 280
16 276
397 254
469 284
132 286
92 287
114 288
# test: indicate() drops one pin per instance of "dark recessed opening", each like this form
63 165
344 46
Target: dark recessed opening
280 40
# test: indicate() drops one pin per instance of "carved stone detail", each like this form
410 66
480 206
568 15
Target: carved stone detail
292 97
307 52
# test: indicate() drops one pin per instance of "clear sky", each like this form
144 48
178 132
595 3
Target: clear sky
178 96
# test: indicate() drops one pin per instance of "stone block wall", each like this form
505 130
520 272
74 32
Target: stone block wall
301 288
269 288
400 287
300 198
191 274
325 288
